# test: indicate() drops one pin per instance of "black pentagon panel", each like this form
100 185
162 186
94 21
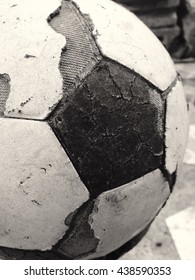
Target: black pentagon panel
4 91
111 128
80 54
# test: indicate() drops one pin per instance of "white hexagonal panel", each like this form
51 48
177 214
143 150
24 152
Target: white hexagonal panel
177 126
123 212
30 55
122 37
39 186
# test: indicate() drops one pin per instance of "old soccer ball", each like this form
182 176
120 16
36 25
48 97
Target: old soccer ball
93 127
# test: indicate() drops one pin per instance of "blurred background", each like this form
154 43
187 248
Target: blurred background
172 234
172 21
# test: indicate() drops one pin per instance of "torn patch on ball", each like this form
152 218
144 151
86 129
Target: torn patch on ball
80 55
4 91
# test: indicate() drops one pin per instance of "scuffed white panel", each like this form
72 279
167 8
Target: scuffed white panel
177 126
122 37
122 213
39 186
30 55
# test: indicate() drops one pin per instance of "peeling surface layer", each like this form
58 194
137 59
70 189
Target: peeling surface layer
177 126
30 55
112 129
79 239
81 54
122 213
39 187
122 37
4 91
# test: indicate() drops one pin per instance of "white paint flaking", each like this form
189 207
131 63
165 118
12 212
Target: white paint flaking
177 126
39 186
35 81
122 37
122 213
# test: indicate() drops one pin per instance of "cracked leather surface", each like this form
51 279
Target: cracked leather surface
112 128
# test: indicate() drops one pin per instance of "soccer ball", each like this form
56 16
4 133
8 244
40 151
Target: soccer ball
93 127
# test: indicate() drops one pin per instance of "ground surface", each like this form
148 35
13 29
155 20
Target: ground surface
172 234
